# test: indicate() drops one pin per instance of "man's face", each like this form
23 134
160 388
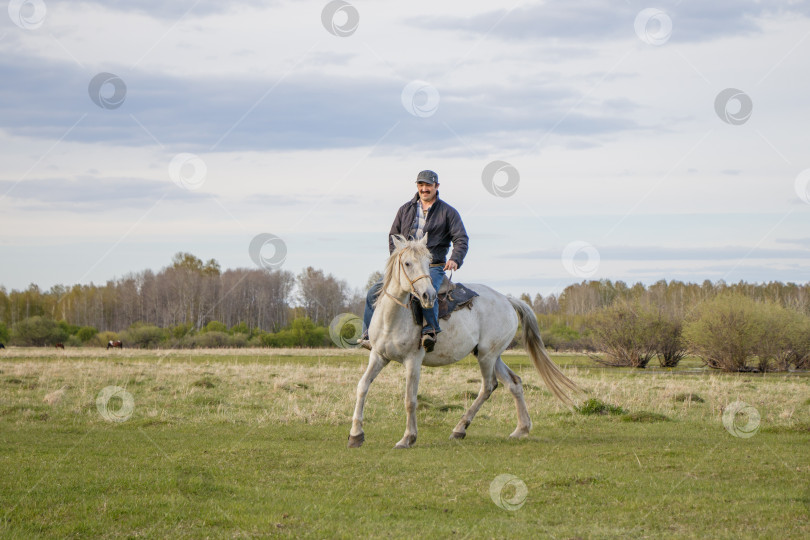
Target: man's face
427 192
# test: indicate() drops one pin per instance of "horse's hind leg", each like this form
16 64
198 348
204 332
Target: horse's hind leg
515 384
488 385
375 365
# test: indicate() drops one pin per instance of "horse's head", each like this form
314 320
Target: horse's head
412 272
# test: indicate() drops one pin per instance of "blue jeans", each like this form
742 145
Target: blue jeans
431 315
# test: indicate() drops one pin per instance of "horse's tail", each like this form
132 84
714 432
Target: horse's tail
555 380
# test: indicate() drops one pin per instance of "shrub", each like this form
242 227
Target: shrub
584 344
38 331
86 333
302 332
735 333
238 340
564 333
560 336
146 336
4 333
215 326
726 332
785 338
668 340
625 332
210 339
241 328
181 330
69 329
102 338
256 340
799 341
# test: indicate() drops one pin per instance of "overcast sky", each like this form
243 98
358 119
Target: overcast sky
631 141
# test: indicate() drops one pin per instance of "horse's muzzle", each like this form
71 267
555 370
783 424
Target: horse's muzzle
427 300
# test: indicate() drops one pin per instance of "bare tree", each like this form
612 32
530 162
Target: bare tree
322 296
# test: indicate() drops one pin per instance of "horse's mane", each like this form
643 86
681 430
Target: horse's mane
419 249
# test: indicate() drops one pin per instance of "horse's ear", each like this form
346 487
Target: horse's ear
399 241
423 240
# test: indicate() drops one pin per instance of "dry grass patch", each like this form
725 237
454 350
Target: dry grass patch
193 386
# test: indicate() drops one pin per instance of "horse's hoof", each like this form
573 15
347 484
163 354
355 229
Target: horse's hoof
458 435
519 434
406 442
356 441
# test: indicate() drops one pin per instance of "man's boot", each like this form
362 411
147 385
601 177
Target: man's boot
429 340
364 342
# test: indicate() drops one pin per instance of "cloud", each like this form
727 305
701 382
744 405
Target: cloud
303 111
89 193
275 200
804 243
658 253
595 21
171 10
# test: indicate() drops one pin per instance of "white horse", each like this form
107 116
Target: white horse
485 331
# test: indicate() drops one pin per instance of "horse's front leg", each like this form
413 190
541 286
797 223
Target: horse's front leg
413 369
375 365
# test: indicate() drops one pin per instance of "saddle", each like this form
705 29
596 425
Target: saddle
450 296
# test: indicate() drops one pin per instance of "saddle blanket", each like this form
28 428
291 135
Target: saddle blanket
457 297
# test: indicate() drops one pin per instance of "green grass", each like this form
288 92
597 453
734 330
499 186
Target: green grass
595 406
238 446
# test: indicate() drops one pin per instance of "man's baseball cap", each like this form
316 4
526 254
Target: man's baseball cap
427 177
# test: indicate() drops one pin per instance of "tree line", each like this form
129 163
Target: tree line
568 318
188 292
732 327
675 297
193 303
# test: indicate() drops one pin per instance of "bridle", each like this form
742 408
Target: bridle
411 281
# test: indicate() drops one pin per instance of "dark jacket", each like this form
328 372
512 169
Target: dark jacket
442 226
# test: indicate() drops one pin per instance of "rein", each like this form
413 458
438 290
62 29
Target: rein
411 281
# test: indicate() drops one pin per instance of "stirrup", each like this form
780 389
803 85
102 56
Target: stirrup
429 341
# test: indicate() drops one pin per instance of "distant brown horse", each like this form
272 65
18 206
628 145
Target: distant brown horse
115 345
2 346
60 346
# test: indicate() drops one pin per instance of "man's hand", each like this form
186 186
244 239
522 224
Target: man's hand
450 265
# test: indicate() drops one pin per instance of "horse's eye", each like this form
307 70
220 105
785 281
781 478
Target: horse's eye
407 264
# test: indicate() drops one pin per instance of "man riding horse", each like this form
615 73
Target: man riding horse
425 214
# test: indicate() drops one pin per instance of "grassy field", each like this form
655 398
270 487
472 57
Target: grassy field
252 443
